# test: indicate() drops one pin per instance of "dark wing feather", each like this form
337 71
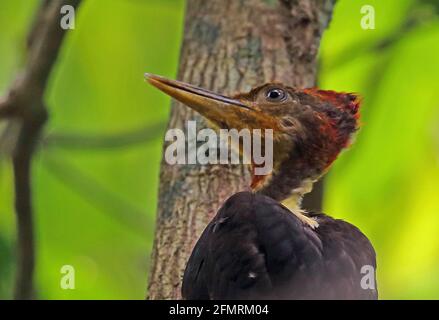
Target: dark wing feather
257 249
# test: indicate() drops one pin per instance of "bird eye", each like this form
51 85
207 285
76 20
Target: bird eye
276 95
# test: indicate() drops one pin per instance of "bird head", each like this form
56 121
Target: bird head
310 126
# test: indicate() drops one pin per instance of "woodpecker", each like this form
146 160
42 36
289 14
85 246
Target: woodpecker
261 244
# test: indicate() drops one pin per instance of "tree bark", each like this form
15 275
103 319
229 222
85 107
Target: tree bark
228 46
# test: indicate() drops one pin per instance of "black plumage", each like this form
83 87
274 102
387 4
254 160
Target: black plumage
255 248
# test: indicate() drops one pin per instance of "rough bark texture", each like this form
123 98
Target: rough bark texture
228 46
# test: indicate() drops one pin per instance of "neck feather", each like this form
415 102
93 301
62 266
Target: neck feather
299 165
293 178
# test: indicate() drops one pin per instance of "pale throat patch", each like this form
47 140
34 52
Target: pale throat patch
294 201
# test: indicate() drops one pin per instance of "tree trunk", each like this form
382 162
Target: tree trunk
228 46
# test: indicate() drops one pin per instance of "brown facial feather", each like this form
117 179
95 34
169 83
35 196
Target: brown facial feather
313 127
310 126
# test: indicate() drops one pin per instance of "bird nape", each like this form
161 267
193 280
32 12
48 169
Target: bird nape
261 244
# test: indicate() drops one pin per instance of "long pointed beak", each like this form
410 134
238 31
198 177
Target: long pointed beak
219 109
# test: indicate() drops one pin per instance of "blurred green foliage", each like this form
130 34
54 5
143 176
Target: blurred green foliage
387 184
95 207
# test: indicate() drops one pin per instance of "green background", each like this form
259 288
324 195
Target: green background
95 206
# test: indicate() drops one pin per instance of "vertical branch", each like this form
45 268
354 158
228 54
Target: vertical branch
228 46
25 104
22 159
6 110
